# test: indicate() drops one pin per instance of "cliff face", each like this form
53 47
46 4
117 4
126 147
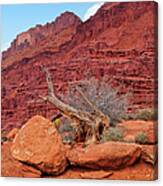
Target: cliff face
119 41
63 27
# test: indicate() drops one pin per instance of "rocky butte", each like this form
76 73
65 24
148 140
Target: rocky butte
119 41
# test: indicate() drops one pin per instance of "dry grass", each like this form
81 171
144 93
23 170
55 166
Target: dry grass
113 134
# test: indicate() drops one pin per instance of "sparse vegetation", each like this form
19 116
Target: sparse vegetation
102 95
143 114
65 128
67 132
141 138
92 105
113 134
68 139
147 114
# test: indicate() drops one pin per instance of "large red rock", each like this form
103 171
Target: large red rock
11 135
13 168
139 171
38 143
150 154
112 155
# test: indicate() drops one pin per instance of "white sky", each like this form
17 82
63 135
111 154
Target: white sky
92 10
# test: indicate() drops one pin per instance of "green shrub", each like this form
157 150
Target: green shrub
113 134
129 116
143 114
141 138
106 98
69 139
65 128
147 114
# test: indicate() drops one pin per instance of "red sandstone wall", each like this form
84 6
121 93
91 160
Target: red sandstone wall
118 42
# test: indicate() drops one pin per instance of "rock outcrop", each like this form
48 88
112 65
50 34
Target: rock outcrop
13 168
110 155
36 150
118 42
138 171
150 154
40 33
39 144
11 135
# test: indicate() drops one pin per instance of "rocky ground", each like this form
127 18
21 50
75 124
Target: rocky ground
36 150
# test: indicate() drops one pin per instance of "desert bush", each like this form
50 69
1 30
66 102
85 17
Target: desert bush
141 138
143 114
65 128
68 139
147 114
102 95
67 132
129 116
113 134
64 125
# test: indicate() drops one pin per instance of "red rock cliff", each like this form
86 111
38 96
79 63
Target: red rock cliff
119 41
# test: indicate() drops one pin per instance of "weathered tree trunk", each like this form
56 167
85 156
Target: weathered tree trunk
78 117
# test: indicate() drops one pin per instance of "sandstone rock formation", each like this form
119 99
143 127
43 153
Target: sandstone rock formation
13 168
119 42
138 171
11 135
150 154
32 37
39 144
112 155
37 151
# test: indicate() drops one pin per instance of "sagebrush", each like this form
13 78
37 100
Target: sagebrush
113 134
101 94
148 114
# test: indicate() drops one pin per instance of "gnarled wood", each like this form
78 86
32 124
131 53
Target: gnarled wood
91 122
60 105
97 112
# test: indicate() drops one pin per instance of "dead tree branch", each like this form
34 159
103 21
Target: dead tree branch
92 121
64 108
